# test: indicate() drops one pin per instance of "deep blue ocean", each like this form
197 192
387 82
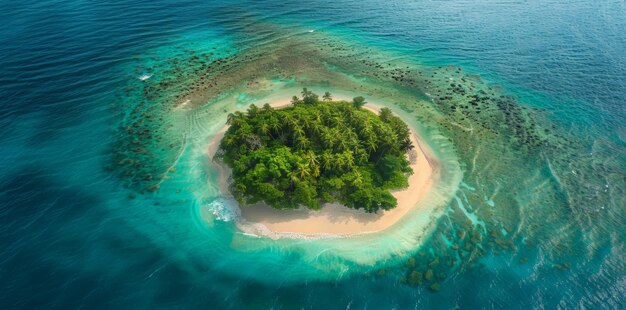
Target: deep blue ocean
72 235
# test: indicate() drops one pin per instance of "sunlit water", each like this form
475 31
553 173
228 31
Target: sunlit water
108 198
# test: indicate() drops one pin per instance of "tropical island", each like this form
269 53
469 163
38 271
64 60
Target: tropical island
315 152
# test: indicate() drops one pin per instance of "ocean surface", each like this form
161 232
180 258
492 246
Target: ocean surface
108 200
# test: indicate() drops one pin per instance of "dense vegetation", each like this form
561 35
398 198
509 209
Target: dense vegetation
315 152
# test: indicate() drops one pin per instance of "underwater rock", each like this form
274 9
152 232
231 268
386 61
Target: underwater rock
411 262
428 275
414 278
450 262
434 262
563 266
435 287
153 187
381 272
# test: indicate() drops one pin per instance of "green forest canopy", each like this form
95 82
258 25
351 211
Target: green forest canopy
315 152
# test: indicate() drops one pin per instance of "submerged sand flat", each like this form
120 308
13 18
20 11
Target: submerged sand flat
333 219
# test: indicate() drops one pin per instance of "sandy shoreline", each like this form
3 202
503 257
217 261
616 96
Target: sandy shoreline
334 219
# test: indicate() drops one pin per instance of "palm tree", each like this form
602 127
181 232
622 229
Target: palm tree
371 143
317 117
253 110
302 170
293 177
310 158
293 122
235 119
308 96
306 93
295 100
328 138
358 102
312 162
228 140
304 120
336 120
338 162
362 156
358 178
317 127
288 121
348 159
327 97
297 130
316 171
274 123
327 160
303 142
353 140
265 129
349 114
343 144
385 114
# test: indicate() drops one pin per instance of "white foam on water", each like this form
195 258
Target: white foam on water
221 211
144 77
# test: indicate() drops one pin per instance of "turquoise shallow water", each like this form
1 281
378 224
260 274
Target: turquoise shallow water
536 221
